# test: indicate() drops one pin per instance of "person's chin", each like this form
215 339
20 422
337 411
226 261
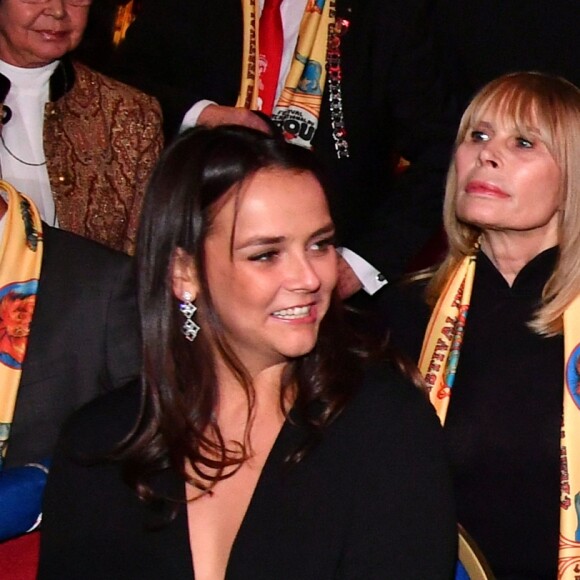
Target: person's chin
300 346
483 217
45 55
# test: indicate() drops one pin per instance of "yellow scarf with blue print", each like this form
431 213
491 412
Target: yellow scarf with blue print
438 364
298 108
20 262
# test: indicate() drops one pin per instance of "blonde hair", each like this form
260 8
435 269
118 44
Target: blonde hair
552 104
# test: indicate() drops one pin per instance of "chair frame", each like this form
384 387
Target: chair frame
472 558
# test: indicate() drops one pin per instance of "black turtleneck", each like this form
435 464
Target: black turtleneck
503 423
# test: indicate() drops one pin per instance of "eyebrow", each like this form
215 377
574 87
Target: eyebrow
482 124
272 240
527 128
328 229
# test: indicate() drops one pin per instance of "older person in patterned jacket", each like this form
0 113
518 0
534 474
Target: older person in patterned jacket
80 144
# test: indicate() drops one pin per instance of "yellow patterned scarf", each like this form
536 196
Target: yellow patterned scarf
298 108
569 550
20 261
438 364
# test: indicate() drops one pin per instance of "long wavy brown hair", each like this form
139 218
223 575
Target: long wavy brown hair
177 426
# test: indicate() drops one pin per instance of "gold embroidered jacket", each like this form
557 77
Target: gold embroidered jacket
101 141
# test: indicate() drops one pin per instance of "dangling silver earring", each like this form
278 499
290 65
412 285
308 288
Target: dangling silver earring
188 308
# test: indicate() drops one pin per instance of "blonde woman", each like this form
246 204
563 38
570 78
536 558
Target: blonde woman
504 322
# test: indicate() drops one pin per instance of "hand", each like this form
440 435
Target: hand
348 283
214 115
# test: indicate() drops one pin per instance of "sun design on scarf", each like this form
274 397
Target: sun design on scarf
17 303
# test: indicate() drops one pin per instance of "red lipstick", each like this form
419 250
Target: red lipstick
485 188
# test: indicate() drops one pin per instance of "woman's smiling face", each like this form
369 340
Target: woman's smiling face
36 34
271 266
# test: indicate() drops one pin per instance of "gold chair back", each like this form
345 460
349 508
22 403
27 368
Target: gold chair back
472 559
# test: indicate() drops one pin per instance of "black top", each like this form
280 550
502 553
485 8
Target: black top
479 40
503 424
372 500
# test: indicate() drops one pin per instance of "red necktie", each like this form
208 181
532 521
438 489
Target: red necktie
271 44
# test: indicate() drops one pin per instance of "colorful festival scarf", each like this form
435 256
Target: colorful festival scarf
298 108
438 364
20 261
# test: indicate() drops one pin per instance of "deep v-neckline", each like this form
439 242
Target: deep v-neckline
287 438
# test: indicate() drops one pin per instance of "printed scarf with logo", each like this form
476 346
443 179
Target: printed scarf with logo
438 364
298 108
20 262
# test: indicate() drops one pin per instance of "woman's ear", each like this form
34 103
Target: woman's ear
183 275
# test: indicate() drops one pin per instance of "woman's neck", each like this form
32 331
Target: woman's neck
232 406
511 251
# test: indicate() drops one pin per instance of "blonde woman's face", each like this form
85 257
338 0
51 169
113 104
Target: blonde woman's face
507 179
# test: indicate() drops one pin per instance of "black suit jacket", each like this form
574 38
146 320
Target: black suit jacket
371 500
183 51
84 340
